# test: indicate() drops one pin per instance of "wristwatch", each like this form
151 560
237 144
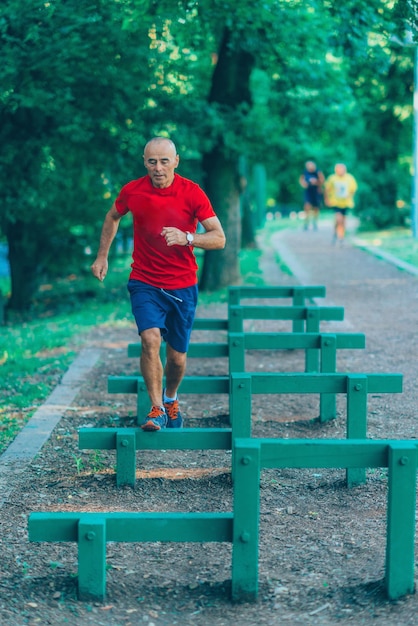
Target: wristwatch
190 238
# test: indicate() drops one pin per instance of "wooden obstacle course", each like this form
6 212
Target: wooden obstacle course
240 387
91 531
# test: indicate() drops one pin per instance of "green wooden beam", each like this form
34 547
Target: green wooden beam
202 323
237 292
134 527
298 341
262 312
270 382
168 439
296 453
321 382
196 350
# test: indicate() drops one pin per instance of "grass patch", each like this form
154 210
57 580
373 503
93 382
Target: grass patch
250 266
34 354
396 241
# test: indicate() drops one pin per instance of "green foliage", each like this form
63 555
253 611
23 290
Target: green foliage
84 85
68 84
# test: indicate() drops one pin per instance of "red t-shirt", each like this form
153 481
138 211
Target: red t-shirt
183 204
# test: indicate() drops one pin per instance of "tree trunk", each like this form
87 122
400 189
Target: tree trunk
248 222
221 267
25 265
231 89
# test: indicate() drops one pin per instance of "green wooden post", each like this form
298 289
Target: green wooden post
246 516
240 404
399 579
91 558
298 300
328 401
236 320
236 350
142 402
125 458
313 320
234 296
239 408
357 386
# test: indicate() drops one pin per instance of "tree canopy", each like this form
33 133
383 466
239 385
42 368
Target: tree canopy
84 84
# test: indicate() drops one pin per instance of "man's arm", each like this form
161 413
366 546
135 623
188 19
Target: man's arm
109 230
212 239
302 181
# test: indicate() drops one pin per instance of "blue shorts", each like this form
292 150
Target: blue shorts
312 197
338 209
170 310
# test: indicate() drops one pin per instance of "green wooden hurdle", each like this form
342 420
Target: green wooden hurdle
251 455
126 441
240 387
91 531
234 349
238 343
298 293
309 316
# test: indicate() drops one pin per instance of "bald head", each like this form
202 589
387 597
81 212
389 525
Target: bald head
156 141
160 160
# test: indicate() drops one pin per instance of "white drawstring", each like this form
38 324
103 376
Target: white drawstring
171 295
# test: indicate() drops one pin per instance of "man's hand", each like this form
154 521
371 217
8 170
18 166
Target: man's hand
99 269
174 236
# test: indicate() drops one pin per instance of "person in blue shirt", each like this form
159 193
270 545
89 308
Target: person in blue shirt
312 180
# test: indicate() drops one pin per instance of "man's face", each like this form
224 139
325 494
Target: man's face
160 160
340 169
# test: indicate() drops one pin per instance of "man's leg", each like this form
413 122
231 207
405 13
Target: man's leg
340 225
315 211
175 369
151 366
307 209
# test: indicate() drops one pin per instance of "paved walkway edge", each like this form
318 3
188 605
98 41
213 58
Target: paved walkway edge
386 256
38 429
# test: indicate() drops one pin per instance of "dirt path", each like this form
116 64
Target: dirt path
322 547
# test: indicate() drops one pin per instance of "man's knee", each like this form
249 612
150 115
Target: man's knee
178 359
151 340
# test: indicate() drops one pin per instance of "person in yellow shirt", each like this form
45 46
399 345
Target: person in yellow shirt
340 189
